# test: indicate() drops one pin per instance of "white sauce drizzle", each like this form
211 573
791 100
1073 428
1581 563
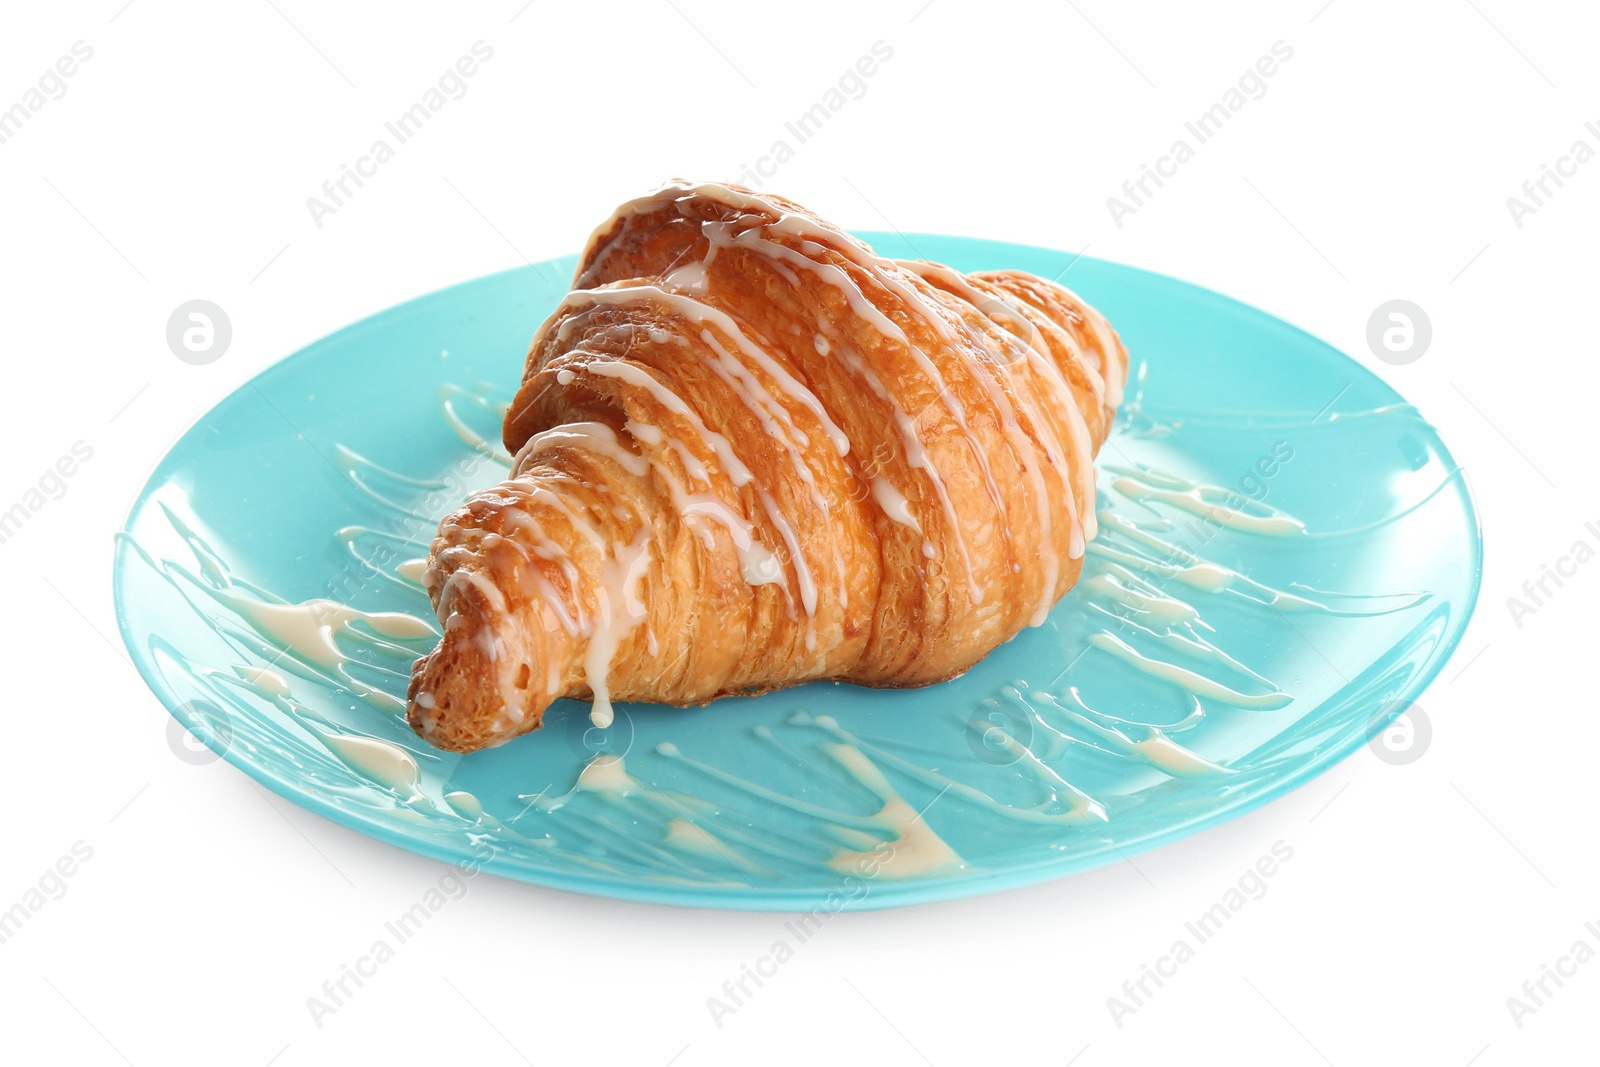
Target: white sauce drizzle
702 314
894 503
1187 679
264 681
387 764
607 773
912 850
620 610
737 472
1207 501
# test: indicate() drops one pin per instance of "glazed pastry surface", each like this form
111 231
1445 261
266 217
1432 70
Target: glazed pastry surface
752 453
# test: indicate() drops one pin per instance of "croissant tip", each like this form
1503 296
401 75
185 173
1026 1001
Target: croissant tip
456 697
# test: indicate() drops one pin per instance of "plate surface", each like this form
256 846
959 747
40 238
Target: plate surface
1288 554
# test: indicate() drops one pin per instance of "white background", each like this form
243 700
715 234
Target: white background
177 166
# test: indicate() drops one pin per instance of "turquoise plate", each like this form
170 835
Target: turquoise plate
1287 555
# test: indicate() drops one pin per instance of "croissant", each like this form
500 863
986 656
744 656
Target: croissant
752 453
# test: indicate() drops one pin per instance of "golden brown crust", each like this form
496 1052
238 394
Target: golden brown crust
752 453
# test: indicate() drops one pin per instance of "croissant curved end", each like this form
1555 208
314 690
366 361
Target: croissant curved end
446 696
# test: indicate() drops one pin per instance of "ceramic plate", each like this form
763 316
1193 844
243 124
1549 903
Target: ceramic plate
1287 554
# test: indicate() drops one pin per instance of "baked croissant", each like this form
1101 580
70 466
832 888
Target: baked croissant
752 453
